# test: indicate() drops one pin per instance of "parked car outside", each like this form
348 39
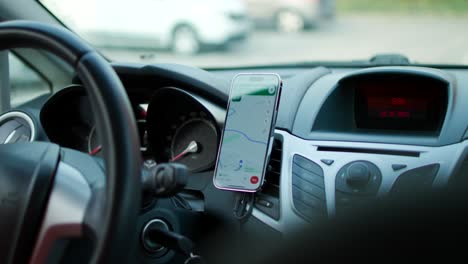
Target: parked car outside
184 26
290 15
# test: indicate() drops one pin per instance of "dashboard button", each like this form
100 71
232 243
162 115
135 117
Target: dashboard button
416 180
358 175
268 205
254 179
327 161
263 202
397 167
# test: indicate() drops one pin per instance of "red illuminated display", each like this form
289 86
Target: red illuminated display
398 114
399 102
384 107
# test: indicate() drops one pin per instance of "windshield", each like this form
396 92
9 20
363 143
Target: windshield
226 33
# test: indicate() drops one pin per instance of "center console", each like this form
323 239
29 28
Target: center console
361 135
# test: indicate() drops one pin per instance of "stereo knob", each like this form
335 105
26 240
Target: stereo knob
358 175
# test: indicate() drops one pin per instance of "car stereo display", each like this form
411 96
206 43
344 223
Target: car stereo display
397 107
400 106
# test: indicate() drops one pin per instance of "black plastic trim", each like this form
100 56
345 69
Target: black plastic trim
371 151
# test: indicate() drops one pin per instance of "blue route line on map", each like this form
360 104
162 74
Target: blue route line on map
247 137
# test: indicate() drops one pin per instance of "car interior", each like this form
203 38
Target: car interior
362 151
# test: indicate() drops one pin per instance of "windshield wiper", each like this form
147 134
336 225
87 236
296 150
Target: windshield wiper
390 59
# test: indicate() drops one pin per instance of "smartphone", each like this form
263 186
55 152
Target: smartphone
247 136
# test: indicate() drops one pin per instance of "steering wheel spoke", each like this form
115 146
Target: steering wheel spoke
65 211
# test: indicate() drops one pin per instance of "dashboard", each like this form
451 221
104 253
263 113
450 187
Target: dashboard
344 136
176 120
168 123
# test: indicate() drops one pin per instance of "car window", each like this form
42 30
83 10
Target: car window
237 33
25 83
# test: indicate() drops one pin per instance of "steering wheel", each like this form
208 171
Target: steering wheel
49 193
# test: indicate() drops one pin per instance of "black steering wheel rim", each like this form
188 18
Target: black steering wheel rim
115 121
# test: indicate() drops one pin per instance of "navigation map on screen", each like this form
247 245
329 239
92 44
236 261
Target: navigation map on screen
247 130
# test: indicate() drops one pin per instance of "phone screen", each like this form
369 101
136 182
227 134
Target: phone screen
245 144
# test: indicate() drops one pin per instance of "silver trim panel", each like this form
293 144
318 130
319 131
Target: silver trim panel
25 117
164 225
447 156
65 210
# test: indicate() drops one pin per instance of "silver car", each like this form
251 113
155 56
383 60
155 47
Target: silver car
289 15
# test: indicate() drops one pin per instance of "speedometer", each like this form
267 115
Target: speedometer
94 145
181 128
194 144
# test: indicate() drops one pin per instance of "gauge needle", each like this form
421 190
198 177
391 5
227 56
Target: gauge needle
191 148
96 150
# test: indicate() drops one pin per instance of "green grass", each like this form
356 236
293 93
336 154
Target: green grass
433 7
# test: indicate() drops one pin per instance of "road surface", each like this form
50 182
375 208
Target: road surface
423 39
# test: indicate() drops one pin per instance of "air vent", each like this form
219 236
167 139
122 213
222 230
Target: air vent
267 200
272 176
16 127
308 188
